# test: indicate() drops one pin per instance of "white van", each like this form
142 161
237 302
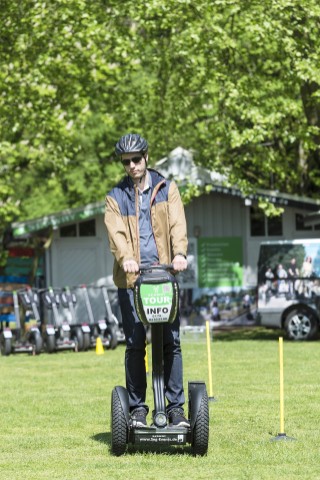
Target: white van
289 287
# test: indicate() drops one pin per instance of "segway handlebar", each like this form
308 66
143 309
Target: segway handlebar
146 267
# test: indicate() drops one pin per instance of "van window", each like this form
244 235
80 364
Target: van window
274 254
289 287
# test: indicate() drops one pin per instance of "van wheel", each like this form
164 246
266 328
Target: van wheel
301 324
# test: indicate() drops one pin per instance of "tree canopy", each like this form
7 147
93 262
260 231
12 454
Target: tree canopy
235 81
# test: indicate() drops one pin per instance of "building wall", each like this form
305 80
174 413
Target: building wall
72 261
221 215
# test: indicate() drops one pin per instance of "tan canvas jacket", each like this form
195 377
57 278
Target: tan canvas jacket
122 222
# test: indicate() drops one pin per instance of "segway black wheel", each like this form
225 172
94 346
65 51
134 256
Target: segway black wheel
82 339
119 430
200 436
111 335
38 343
5 346
86 341
78 337
50 343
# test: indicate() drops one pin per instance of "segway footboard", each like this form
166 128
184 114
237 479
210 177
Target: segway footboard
160 436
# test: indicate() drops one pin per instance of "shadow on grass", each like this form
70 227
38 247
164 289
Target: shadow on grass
231 334
160 450
105 438
102 438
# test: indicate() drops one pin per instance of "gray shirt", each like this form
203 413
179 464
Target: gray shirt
148 248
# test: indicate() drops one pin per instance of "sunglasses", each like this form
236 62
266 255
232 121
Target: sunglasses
126 162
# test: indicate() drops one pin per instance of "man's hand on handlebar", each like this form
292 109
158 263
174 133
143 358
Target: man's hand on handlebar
179 263
130 266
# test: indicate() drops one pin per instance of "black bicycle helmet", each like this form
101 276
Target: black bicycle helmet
130 143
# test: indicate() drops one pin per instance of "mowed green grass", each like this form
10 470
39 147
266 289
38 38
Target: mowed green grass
55 413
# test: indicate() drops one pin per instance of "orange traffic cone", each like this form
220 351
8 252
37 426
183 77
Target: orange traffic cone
99 347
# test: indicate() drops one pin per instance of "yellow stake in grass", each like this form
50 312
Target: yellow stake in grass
209 360
281 387
281 435
146 359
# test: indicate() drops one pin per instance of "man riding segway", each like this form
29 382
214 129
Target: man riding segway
146 224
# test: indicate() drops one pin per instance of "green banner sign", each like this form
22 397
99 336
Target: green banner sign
220 262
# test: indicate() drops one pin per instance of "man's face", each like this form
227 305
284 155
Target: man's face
135 164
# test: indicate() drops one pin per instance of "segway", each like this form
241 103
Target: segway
112 319
95 310
62 339
20 339
80 331
6 337
156 296
30 301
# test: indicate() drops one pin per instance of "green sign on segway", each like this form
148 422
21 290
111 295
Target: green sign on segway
156 296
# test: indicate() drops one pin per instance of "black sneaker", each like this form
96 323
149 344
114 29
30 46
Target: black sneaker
177 418
139 417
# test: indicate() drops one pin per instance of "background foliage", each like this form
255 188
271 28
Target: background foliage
237 82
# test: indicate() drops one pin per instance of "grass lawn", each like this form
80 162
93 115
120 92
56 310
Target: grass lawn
55 413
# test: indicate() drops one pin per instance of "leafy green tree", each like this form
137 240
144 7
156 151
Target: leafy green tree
237 82
51 55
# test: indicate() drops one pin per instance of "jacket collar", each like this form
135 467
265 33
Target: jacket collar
154 179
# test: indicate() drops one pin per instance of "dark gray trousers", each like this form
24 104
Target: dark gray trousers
136 382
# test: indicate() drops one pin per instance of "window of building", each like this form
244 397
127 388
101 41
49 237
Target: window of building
261 225
300 223
257 222
82 229
68 230
275 226
87 229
